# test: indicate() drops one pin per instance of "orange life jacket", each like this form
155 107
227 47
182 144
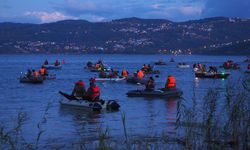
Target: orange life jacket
95 92
171 82
42 71
140 74
124 73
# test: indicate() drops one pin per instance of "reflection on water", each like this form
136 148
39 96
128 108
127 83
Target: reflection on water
143 115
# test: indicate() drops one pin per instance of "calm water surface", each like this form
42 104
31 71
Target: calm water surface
143 115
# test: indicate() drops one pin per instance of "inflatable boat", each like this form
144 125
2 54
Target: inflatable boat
155 93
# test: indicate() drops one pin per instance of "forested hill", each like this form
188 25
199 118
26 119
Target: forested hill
217 35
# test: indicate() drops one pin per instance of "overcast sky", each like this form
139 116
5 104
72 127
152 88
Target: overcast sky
43 11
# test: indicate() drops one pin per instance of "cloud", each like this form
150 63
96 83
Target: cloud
46 17
190 10
227 8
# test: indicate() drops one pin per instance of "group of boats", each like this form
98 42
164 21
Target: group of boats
38 78
99 105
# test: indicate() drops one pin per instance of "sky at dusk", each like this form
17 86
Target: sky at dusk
44 11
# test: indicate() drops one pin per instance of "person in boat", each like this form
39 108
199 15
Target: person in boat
42 71
29 73
89 64
212 69
150 69
79 89
150 85
140 74
102 74
144 67
248 67
194 66
200 66
235 66
203 69
93 92
57 63
46 62
170 83
35 73
113 74
124 73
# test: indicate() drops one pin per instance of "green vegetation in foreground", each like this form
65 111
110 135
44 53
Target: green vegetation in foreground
211 126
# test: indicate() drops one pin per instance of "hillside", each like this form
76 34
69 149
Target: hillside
217 35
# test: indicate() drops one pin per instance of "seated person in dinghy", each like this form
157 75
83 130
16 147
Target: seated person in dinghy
170 84
150 84
79 89
93 92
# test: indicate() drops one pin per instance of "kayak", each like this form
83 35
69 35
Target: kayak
183 66
52 66
32 80
137 80
110 79
211 75
155 93
97 105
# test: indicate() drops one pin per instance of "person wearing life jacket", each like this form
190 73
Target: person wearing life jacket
140 74
35 73
149 68
57 63
171 83
93 92
42 71
144 67
29 73
97 66
248 67
46 62
79 89
150 85
124 73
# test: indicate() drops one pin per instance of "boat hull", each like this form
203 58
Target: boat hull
212 75
155 93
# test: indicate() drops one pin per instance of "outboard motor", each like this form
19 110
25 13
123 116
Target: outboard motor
112 105
96 107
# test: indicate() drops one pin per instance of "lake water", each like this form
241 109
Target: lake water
144 116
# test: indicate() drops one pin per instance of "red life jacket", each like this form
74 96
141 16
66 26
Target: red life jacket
140 74
81 83
171 82
248 67
95 92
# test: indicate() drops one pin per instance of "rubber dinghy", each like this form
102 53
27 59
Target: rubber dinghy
137 80
32 80
110 79
155 93
52 67
211 75
98 105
